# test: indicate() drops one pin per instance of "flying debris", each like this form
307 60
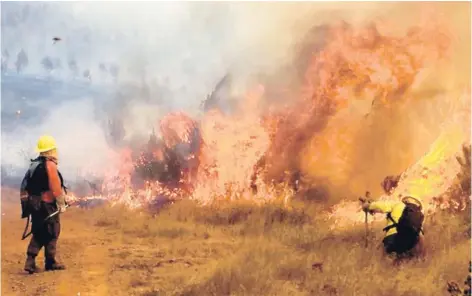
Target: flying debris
55 39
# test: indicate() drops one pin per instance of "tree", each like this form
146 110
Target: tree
21 61
213 100
47 64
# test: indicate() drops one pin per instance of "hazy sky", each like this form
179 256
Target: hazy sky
188 47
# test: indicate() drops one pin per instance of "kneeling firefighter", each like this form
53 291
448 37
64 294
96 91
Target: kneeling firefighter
43 198
404 223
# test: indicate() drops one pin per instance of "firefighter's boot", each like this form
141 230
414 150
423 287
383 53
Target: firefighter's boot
30 265
52 264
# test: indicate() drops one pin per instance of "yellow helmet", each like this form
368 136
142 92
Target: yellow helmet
45 143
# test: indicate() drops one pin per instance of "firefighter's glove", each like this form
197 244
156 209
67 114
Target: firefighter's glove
61 203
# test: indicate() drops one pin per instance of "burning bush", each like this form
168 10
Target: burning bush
458 196
157 163
460 193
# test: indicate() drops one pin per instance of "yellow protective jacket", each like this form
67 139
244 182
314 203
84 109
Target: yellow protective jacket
395 208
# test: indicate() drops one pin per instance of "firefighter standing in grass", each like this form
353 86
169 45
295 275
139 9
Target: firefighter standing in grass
404 224
41 195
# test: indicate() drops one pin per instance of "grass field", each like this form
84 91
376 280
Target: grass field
236 249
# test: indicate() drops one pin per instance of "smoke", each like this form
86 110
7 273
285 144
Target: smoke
81 142
438 98
166 56
143 60
146 59
361 146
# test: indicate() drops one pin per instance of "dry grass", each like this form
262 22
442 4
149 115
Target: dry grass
238 249
268 250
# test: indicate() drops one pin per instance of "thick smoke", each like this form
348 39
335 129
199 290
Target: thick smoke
142 60
145 60
139 60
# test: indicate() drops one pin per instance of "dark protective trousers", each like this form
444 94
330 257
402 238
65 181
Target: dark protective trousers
44 234
400 244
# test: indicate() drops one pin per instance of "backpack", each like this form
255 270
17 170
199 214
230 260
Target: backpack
410 222
31 203
28 204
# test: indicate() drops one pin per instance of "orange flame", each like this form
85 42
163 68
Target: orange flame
233 146
430 177
358 70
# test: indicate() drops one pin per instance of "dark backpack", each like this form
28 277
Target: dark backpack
28 204
410 222
32 203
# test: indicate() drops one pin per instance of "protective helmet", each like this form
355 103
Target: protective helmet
412 199
45 143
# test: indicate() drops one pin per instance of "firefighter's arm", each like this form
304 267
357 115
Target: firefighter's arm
24 197
24 182
55 185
